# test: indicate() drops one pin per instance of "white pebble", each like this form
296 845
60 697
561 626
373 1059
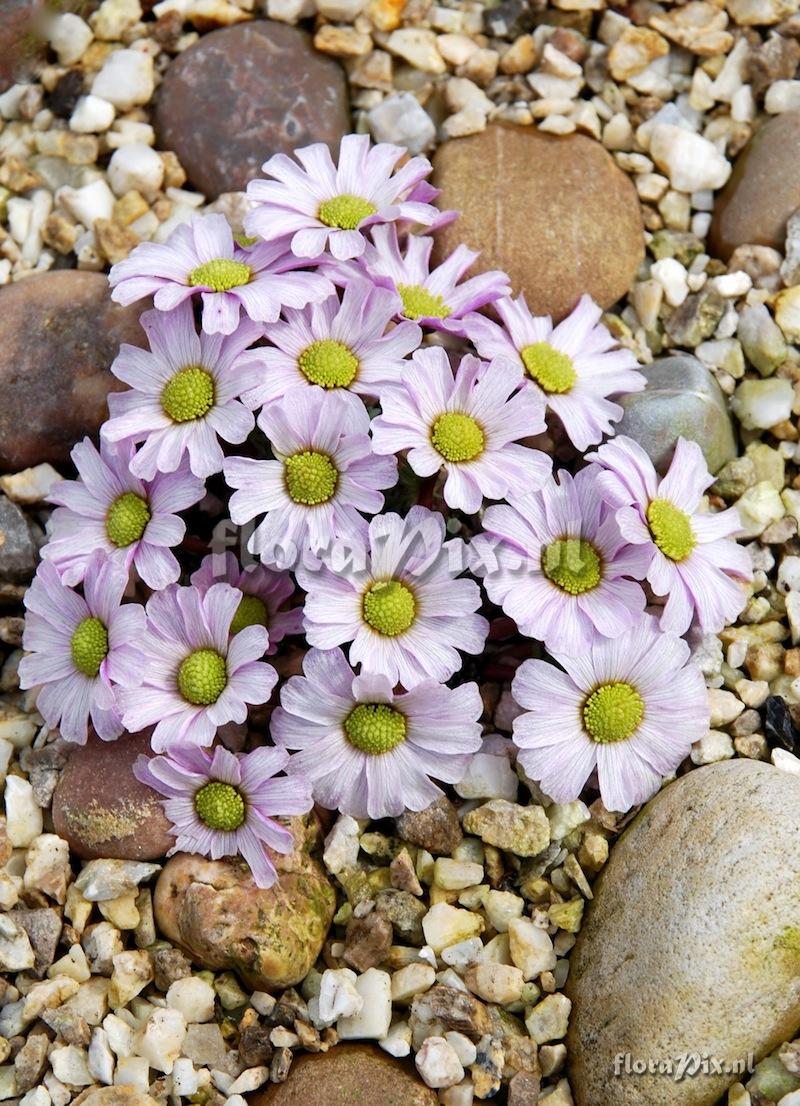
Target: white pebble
397 1041
733 284
249 1080
463 1047
338 995
126 79
782 96
341 845
185 1080
461 955
530 948
489 777
92 201
724 706
100 1060
786 761
691 161
438 1063
193 997
403 120
712 747
69 36
373 1020
23 814
136 167
92 115
16 953
671 275
161 1039
69 1066
760 404
412 980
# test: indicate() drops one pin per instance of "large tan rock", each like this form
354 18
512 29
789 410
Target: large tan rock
692 942
348 1075
59 333
764 190
555 213
113 1096
271 937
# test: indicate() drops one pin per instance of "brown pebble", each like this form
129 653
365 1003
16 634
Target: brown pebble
368 941
436 828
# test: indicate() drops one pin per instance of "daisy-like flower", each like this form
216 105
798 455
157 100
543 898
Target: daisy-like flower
436 298
221 804
689 555
197 676
556 563
337 346
629 709
202 259
370 752
134 522
81 649
264 596
184 393
574 366
324 475
402 609
322 205
466 425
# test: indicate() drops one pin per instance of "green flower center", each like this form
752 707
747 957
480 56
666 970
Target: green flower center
345 212
457 437
219 806
552 370
328 363
127 519
251 611
671 529
375 728
389 607
311 477
202 677
89 646
220 275
612 712
572 564
245 240
419 303
189 394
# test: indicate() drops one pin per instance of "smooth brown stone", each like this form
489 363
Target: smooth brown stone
103 810
59 333
555 213
348 1075
20 46
764 190
271 936
244 93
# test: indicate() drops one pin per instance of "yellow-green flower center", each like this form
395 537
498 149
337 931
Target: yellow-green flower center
671 529
345 212
188 395
220 275
375 728
245 240
219 806
457 437
89 646
419 303
311 477
613 712
202 677
552 370
572 564
328 363
389 607
127 519
251 611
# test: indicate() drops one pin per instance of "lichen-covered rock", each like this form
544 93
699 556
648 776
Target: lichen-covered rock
59 333
544 209
681 398
218 916
345 1076
243 93
692 942
103 810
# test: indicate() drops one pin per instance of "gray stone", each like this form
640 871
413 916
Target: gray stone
17 551
692 942
682 398
43 926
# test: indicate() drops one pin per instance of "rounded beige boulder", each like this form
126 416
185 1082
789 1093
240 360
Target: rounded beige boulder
113 1096
270 936
692 943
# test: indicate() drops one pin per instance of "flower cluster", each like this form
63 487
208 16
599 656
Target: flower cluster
340 390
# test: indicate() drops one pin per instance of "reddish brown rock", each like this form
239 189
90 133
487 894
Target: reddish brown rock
270 936
101 808
20 45
764 190
555 212
244 93
59 333
346 1076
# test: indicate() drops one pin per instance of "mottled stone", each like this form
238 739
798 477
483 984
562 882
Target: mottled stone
244 93
682 398
113 1096
545 209
59 332
436 828
347 1075
692 941
43 926
218 916
103 810
763 191
17 551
